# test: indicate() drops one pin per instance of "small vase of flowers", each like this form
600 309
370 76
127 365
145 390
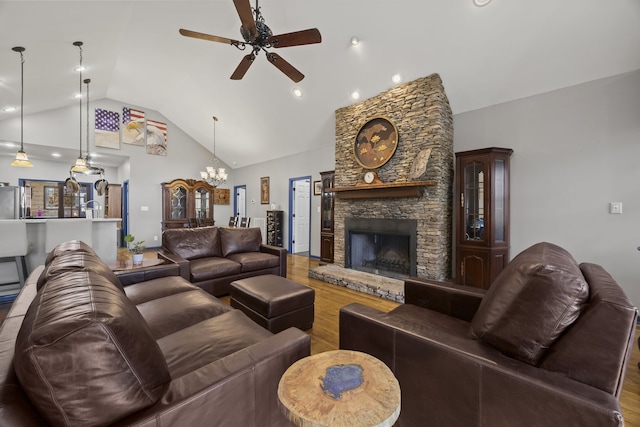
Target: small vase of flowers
136 248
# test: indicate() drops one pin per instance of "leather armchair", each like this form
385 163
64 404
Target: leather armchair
453 370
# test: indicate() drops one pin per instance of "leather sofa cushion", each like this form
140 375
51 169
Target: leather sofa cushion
84 355
254 261
534 299
77 260
204 342
237 240
192 243
70 246
178 311
212 268
157 288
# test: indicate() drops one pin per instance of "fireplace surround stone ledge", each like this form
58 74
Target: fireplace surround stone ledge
372 284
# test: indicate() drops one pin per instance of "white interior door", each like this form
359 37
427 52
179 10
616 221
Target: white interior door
241 205
301 217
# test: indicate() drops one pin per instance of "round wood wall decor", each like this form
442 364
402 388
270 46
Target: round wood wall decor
375 143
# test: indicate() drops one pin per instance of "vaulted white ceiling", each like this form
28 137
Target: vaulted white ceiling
506 50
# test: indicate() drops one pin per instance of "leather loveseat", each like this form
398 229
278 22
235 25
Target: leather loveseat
80 349
213 257
547 345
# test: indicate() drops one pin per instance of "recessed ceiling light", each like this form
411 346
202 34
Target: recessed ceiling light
355 41
10 145
81 68
56 155
396 78
297 92
9 109
77 95
481 3
355 95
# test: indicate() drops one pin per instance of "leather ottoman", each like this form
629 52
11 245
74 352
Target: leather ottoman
274 302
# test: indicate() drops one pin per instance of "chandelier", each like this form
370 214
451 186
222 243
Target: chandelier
214 175
21 160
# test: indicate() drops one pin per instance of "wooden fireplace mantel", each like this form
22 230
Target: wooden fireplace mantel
379 191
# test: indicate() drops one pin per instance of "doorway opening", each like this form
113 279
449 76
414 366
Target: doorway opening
299 215
240 201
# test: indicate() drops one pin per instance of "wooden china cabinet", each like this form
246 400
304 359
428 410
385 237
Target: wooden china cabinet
326 216
482 237
184 199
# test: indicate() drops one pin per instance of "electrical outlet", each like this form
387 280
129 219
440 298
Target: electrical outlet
155 237
615 207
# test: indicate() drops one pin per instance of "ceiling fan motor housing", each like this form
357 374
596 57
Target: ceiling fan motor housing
264 32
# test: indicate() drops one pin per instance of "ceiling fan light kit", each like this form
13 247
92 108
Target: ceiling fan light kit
259 37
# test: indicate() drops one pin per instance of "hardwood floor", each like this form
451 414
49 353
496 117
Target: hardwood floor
330 298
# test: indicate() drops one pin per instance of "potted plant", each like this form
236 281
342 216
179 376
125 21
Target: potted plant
136 248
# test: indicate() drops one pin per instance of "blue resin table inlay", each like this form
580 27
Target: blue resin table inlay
341 378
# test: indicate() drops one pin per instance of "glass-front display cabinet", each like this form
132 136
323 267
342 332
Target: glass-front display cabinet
482 235
186 203
326 216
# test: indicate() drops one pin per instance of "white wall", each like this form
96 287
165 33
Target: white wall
575 150
279 171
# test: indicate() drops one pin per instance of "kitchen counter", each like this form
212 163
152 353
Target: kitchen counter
104 240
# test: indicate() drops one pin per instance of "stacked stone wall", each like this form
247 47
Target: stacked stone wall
421 113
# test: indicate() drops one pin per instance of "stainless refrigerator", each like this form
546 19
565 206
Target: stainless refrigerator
10 198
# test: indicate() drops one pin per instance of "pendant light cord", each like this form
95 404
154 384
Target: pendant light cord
21 102
87 81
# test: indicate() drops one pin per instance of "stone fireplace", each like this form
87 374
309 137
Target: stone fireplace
422 115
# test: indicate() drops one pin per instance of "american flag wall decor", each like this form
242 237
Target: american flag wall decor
107 129
132 126
156 138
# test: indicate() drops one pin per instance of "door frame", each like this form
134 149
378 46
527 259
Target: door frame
292 182
125 211
235 198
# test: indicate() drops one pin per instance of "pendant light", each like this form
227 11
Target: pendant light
80 165
21 161
92 167
214 175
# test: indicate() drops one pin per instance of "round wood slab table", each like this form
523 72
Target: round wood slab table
339 388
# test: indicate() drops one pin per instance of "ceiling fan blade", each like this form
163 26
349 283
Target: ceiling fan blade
242 68
203 36
246 17
285 67
296 38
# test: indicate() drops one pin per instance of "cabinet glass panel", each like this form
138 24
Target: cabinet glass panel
327 209
202 203
473 201
178 203
498 194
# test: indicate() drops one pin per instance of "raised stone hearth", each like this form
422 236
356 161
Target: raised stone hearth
372 284
422 116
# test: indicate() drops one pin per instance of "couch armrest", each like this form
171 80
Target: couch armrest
454 300
183 264
240 389
280 252
143 274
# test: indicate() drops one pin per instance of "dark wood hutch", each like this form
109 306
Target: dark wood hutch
187 202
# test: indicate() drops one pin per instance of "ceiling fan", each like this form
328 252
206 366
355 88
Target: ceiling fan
259 36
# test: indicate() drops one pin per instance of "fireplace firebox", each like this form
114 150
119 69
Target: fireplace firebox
381 246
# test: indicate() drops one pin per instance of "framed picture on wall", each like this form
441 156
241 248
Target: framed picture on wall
264 190
317 188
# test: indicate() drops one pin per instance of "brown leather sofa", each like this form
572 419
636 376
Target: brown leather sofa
80 349
213 257
547 345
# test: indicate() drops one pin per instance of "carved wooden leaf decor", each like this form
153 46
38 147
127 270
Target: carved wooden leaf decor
419 165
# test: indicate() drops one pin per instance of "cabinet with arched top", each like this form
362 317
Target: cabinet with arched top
186 202
482 235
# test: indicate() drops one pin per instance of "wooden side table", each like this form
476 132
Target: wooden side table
339 388
128 265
